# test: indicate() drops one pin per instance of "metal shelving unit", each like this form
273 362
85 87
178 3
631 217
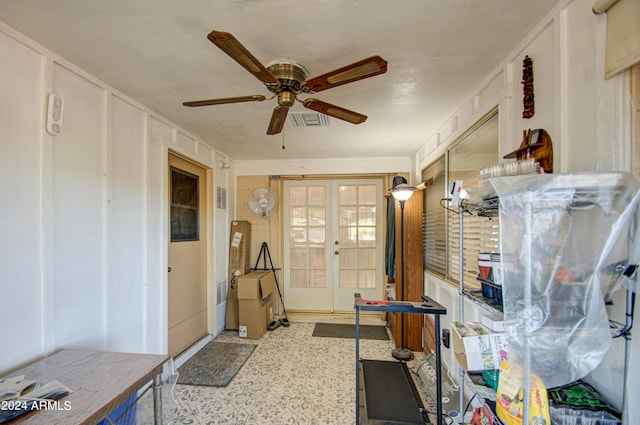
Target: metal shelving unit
488 209
565 196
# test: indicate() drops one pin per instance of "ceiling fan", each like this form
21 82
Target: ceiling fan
286 79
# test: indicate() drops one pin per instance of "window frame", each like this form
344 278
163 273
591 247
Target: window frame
451 268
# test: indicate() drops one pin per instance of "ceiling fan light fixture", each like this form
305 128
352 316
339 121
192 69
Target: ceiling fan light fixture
286 99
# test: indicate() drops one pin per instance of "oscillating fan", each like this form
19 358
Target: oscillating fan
261 200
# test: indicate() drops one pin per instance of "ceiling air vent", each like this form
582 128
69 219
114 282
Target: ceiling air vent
309 119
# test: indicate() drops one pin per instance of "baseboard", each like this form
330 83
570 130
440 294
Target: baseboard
191 351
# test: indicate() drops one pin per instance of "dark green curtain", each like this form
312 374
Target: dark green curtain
390 250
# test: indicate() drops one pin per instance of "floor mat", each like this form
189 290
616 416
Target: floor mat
215 365
338 330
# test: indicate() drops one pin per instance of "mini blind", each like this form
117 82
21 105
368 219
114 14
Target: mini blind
434 220
476 150
623 34
480 234
473 151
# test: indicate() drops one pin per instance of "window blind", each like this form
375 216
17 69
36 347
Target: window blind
623 34
434 219
473 151
480 234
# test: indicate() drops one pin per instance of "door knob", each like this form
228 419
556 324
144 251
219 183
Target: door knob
336 252
169 269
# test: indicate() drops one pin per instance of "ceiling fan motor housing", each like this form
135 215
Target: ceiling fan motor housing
291 75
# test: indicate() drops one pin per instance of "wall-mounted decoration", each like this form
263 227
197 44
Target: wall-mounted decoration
184 206
535 144
527 87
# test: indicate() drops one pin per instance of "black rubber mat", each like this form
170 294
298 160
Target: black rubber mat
338 330
390 395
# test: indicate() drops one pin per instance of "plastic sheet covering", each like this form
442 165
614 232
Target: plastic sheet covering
565 241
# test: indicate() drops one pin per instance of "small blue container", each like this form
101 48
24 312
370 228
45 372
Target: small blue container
125 414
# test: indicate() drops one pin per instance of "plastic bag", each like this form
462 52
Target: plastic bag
565 241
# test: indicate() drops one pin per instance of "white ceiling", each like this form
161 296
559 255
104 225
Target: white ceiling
157 52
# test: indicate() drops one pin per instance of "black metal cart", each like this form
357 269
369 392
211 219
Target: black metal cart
397 374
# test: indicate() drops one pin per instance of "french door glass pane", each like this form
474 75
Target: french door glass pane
367 258
367 216
348 258
317 195
367 194
367 279
317 278
298 278
298 216
298 257
357 235
348 236
347 216
348 278
307 239
317 259
367 236
297 196
347 195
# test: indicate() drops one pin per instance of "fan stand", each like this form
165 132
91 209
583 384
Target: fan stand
264 254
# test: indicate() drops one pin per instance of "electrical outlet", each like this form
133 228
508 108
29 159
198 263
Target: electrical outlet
446 337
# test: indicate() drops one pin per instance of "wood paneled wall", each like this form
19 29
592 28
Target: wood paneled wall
410 324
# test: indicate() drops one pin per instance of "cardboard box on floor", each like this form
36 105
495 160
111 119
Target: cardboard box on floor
476 347
238 265
255 303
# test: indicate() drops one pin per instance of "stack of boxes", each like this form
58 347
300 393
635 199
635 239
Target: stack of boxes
255 303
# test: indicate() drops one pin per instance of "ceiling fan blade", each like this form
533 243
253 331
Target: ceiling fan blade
334 111
232 47
277 119
224 100
356 71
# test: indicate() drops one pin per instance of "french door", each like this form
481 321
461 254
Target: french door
333 243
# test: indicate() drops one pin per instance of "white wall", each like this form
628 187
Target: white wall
588 120
21 216
224 179
323 166
83 227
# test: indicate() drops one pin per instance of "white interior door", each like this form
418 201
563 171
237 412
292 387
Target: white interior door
333 243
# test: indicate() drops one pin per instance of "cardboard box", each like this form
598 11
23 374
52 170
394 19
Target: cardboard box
238 265
477 348
255 304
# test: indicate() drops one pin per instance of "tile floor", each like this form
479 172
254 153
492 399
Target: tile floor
291 378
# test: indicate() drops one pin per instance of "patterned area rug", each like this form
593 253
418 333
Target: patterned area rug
215 365
338 330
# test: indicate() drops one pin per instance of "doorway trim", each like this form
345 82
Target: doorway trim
331 184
